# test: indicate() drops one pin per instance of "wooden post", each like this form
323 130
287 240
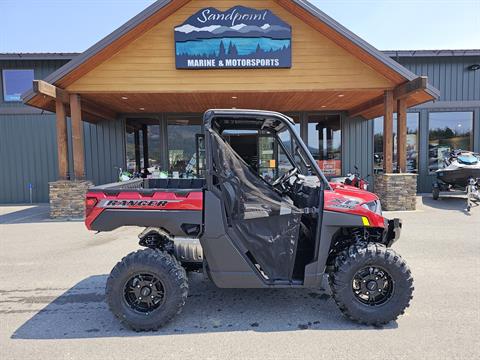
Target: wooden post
77 136
146 163
402 135
388 133
62 140
136 137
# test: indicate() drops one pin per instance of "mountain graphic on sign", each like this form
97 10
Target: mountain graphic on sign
188 32
236 22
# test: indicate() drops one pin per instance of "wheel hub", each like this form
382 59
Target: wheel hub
372 286
144 293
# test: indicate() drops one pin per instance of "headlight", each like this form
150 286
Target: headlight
374 206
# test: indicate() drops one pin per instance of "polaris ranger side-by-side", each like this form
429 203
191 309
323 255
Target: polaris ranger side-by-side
264 216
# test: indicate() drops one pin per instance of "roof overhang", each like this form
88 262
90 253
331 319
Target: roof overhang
160 10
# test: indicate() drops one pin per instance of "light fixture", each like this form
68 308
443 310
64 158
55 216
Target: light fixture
124 98
341 95
234 97
141 109
474 67
324 106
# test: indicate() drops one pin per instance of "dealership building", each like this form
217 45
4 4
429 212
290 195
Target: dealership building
135 99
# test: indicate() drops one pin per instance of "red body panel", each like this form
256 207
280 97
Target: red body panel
349 199
160 200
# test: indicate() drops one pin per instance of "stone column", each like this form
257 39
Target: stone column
397 192
67 199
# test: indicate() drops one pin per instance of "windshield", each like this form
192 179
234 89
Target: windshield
295 151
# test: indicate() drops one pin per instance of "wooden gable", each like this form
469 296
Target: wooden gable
147 65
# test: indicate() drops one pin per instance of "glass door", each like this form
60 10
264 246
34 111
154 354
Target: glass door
325 142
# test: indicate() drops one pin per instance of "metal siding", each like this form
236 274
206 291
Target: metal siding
357 146
448 74
28 150
104 150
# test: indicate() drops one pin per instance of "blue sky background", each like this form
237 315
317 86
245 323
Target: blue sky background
74 25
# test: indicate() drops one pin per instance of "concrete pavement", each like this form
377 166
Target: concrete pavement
52 277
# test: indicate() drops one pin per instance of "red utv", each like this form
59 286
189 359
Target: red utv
264 216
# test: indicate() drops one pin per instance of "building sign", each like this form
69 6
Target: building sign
239 38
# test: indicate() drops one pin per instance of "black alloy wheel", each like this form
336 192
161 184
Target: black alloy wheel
372 286
147 289
144 293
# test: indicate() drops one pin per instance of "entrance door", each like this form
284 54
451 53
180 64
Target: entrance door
325 142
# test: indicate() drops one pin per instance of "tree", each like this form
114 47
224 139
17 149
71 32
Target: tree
222 53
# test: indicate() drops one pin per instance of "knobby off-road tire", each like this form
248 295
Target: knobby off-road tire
147 272
391 272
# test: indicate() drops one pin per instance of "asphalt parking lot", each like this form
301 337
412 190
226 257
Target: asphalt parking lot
52 277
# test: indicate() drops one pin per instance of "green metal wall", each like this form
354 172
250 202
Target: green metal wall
28 154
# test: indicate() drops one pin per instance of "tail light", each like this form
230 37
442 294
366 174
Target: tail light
90 203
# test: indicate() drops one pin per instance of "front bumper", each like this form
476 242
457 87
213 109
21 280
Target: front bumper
394 230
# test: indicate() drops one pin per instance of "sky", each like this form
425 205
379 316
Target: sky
75 25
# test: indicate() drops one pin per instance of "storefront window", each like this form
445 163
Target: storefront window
154 149
325 143
448 131
412 143
182 147
15 83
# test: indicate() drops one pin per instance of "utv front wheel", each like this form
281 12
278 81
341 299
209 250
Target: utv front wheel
371 284
147 289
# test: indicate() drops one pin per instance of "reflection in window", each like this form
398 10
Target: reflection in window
15 83
448 131
182 147
412 143
325 143
153 150
267 165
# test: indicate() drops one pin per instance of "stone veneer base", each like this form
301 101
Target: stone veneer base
67 199
397 192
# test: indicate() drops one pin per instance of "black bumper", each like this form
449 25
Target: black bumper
393 231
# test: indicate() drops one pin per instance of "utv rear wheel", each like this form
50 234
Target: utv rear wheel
371 284
436 193
147 289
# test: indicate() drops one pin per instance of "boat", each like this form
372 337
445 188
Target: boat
460 167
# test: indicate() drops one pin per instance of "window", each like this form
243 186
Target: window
325 143
153 145
412 143
182 146
448 131
15 83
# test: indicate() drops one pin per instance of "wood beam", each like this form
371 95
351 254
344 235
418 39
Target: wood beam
89 107
77 136
366 106
388 132
402 135
95 110
62 140
49 90
400 92
405 90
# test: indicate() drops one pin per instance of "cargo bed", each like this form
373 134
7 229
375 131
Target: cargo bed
173 204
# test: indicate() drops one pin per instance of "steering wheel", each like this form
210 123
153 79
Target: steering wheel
284 178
